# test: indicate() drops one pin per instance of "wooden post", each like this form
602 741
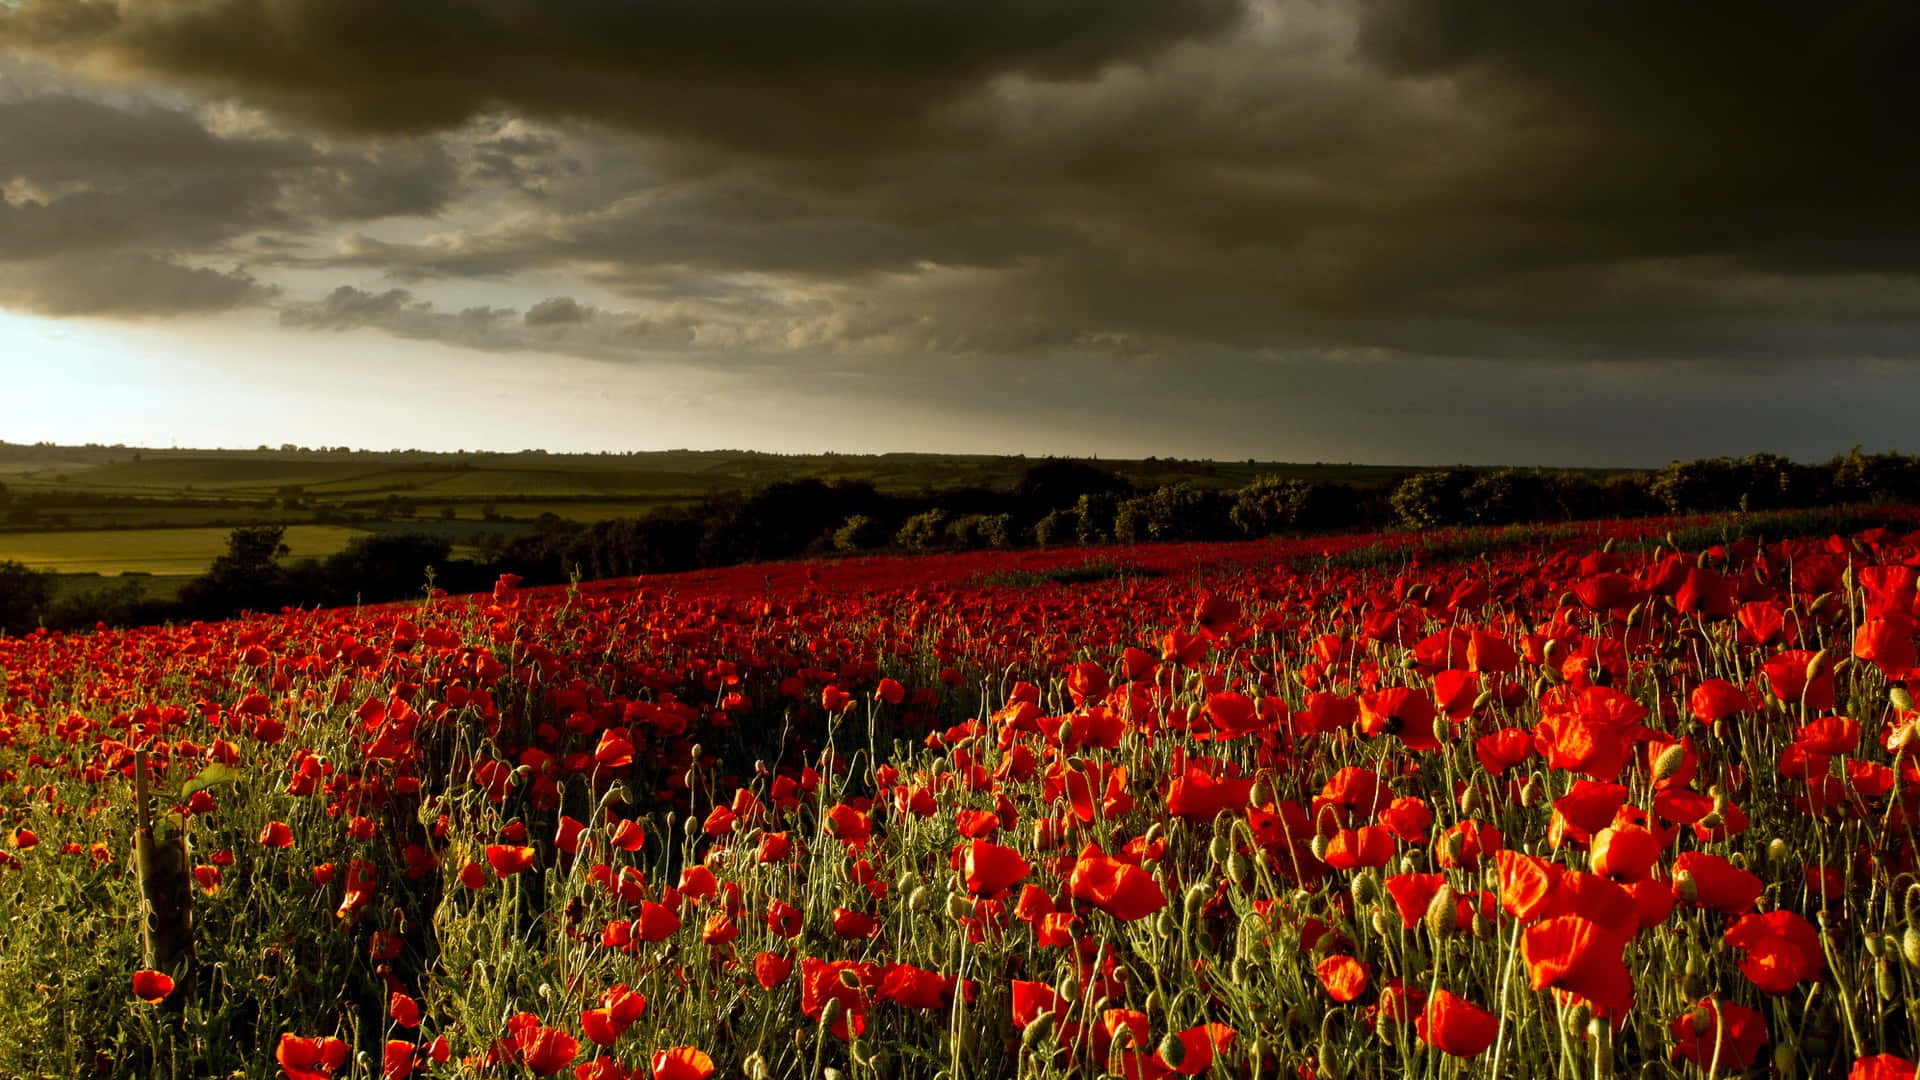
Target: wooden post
166 885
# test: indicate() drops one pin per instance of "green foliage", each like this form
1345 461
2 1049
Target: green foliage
922 532
24 596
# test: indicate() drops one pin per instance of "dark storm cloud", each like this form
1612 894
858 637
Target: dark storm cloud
558 324
95 195
125 285
755 72
1009 187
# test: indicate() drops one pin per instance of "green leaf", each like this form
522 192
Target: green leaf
216 773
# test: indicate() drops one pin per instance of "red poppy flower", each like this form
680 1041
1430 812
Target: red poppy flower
1887 643
1456 1026
1577 954
916 988
1883 1067
1353 849
1625 853
657 922
988 868
682 1063
314 1058
1201 1045
404 1010
1120 889
1719 1030
1717 699
1401 711
509 859
1782 950
1343 977
276 834
152 987
1413 894
1199 796
771 969
1712 882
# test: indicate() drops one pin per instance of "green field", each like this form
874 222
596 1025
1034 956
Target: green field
108 509
151 551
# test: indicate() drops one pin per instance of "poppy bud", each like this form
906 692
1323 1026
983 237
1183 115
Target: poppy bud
1600 1034
1443 913
1577 1018
1817 666
1529 794
1471 801
756 1068
1166 925
1262 792
1685 887
1903 701
919 899
1702 1020
1910 947
1783 1059
1693 981
1381 926
1669 762
958 906
1172 1051
831 1013
1365 887
1197 895
1240 870
1220 849
1884 981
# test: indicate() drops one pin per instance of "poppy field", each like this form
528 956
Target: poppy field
1596 801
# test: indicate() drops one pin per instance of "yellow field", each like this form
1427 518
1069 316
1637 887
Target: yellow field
153 551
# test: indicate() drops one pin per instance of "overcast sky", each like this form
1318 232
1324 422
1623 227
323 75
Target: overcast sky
1369 230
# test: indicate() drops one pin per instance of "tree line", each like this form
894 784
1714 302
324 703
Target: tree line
1056 502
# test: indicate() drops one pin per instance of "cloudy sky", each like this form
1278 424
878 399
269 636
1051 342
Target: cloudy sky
1370 230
